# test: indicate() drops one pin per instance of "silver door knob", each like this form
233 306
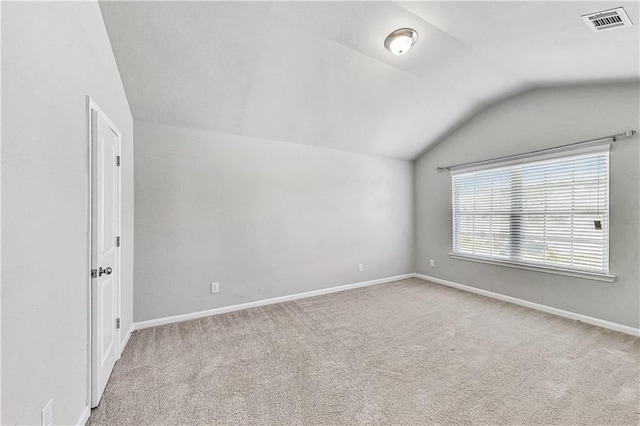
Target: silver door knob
105 271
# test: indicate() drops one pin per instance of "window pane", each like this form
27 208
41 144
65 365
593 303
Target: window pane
542 212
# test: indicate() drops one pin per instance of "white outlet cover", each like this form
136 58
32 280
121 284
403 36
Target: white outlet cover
432 263
215 287
360 267
46 415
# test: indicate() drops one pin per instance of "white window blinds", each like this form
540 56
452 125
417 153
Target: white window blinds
551 212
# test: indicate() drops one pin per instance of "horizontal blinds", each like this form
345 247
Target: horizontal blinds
540 212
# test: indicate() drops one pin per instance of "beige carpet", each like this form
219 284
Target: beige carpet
409 352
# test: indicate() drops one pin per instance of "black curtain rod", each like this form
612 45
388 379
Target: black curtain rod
626 134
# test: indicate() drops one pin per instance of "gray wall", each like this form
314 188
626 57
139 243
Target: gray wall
53 56
263 218
540 119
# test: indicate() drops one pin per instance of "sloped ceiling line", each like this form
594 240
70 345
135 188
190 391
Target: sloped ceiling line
317 73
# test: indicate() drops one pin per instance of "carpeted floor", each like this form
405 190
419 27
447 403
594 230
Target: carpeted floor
409 352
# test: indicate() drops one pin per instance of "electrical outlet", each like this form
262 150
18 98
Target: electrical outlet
360 267
46 415
432 263
215 287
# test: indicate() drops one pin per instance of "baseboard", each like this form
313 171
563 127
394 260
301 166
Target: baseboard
84 417
201 314
126 339
532 305
548 309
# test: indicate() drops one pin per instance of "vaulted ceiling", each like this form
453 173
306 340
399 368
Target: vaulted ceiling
317 73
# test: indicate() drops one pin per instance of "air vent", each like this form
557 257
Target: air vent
607 19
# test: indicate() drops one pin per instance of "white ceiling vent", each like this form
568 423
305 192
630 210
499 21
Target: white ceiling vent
607 19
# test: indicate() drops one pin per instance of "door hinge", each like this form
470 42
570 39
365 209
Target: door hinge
117 322
117 241
117 160
94 273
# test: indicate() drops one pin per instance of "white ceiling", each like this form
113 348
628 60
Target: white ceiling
317 73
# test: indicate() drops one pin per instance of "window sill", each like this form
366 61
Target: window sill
547 269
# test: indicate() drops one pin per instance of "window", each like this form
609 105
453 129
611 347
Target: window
546 212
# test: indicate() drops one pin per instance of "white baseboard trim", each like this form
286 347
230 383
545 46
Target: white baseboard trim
532 305
126 339
216 311
548 309
84 417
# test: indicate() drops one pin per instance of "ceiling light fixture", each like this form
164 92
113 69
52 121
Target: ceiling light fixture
400 41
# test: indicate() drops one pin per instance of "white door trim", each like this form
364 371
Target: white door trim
92 106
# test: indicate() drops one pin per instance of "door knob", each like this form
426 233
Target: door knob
105 271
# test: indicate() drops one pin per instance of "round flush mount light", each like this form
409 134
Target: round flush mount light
400 41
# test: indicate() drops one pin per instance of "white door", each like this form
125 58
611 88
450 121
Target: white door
105 225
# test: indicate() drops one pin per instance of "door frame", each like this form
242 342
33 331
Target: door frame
93 106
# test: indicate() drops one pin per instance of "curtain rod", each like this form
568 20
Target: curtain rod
615 137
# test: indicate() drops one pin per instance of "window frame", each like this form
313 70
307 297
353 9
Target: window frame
533 158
